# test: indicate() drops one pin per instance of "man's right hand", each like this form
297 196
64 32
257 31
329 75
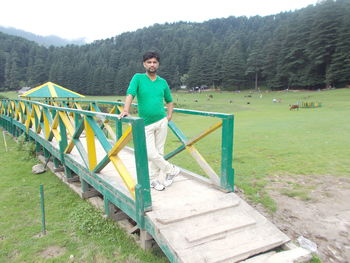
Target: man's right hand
126 108
123 114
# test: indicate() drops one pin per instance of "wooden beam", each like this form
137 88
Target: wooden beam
203 164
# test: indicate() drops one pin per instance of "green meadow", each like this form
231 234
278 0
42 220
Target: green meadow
76 231
269 141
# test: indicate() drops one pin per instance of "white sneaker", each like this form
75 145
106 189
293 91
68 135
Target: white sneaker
170 177
157 185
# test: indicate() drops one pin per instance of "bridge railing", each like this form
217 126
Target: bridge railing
67 121
224 180
72 127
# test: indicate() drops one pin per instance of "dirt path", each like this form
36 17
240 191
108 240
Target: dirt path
316 207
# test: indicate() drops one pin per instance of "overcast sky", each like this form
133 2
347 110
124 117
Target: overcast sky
99 19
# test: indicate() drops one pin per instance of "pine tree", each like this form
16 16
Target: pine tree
338 72
234 68
322 41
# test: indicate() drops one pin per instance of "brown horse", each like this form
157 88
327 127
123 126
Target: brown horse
293 107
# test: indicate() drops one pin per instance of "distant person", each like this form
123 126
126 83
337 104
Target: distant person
152 91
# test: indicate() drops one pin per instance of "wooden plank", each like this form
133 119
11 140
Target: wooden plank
233 248
133 230
297 254
226 235
46 126
107 126
203 164
205 232
90 193
174 215
124 174
262 258
193 141
90 145
146 239
205 133
120 144
82 154
67 122
78 131
120 215
54 129
99 134
73 179
232 256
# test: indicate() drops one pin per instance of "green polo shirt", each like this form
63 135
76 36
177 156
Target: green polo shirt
150 96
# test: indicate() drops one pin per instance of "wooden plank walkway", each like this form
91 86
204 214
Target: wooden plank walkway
203 224
198 222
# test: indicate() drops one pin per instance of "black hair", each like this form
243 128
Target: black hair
151 54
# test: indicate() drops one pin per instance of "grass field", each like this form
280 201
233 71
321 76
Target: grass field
76 232
269 141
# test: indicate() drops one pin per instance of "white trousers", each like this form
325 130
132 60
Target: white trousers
155 139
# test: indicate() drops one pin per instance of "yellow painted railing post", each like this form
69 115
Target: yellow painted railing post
90 143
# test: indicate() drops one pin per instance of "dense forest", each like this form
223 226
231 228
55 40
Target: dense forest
305 49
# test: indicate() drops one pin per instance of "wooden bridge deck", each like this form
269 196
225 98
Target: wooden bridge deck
196 221
203 224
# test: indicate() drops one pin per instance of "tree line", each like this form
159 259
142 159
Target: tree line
304 49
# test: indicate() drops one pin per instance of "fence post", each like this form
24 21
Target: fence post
227 172
138 133
119 130
63 143
42 205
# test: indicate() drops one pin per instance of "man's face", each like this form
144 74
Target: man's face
151 65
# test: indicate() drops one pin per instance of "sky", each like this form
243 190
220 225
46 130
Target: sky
100 19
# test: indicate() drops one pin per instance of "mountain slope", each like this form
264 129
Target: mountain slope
42 40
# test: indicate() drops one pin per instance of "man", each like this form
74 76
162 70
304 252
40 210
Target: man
151 91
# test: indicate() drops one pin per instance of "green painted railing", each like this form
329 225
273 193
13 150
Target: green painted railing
226 122
57 130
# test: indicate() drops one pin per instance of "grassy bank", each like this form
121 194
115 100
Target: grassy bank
76 232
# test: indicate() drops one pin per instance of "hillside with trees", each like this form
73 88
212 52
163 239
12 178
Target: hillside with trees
305 49
41 40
